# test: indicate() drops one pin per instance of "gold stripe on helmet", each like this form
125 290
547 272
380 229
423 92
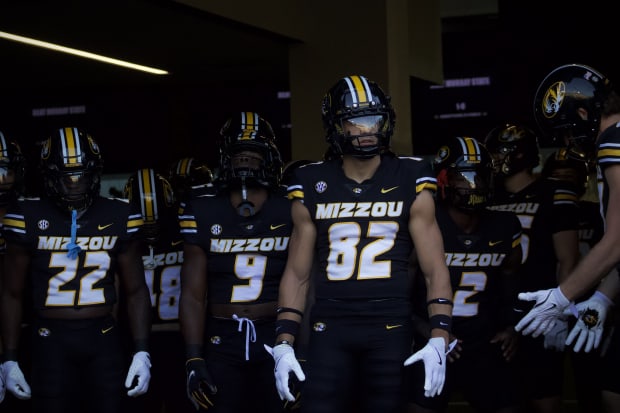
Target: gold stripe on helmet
360 90
70 145
148 197
471 149
249 125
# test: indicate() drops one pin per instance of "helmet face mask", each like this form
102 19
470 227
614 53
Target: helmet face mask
464 174
71 166
248 153
355 108
568 105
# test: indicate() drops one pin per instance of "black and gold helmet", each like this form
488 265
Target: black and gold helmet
514 147
361 102
464 170
568 105
12 169
248 132
188 173
71 166
153 197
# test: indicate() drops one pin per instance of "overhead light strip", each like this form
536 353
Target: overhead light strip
81 53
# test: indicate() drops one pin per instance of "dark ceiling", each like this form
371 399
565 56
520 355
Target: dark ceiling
216 65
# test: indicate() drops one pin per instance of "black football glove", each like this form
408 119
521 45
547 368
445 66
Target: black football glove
200 385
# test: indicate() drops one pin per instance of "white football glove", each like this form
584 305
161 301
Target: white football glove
590 322
433 354
550 305
555 338
286 362
140 370
14 380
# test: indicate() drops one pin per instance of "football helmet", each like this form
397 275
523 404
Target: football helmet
71 166
563 165
357 104
152 193
187 173
245 134
464 170
568 105
514 147
12 169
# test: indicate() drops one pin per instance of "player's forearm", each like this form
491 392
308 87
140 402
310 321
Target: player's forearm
595 265
11 319
139 305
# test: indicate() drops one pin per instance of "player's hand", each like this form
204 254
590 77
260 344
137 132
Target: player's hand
139 371
14 380
433 355
555 338
200 386
285 363
550 305
508 339
590 322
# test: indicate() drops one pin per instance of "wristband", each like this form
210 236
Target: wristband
440 301
287 327
9 355
141 345
441 321
193 351
289 310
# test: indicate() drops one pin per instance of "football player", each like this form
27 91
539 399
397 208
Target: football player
549 218
162 257
577 172
12 171
67 246
359 215
577 105
483 254
189 176
236 245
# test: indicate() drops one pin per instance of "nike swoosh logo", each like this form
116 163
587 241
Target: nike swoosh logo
494 243
105 330
438 356
102 227
386 190
175 243
272 227
392 326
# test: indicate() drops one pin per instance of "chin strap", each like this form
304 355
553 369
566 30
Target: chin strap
245 208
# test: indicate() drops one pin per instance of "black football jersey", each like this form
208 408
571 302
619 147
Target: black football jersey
607 154
363 243
58 280
544 207
245 255
162 270
476 262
